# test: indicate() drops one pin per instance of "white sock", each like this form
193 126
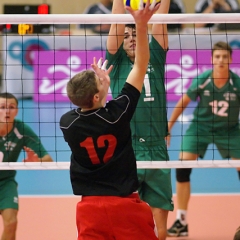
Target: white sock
182 216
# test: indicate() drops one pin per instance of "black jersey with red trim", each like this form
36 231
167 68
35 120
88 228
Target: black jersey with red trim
102 160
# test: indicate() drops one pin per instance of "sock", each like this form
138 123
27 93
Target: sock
182 216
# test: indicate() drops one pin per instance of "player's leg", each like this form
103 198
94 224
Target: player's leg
228 145
155 185
183 192
160 217
158 196
9 217
191 149
9 208
183 186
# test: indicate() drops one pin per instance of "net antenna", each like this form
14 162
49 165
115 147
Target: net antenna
121 19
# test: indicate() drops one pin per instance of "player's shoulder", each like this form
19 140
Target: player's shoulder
203 76
234 76
68 118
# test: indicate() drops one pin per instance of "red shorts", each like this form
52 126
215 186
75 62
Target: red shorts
114 218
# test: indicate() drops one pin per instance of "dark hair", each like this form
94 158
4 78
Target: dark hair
222 46
8 96
82 88
237 234
130 26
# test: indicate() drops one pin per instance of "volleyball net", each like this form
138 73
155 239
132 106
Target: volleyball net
37 66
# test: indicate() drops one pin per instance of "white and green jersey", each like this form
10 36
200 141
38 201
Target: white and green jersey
12 145
218 108
149 123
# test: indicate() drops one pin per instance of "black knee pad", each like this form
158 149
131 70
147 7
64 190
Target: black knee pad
183 174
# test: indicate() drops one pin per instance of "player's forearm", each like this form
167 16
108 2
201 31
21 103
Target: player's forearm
159 31
164 7
178 110
118 7
142 48
116 32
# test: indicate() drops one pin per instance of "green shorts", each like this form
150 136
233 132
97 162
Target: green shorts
155 184
197 139
8 194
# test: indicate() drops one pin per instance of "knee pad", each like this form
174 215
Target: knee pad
183 174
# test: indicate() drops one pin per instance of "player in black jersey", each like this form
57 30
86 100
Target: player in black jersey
103 164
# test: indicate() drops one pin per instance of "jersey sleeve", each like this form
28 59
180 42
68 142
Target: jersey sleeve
194 90
157 53
113 59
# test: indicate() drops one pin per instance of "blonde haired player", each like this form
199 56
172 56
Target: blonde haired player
149 124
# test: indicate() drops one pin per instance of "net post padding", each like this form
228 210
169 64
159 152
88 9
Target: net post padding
140 165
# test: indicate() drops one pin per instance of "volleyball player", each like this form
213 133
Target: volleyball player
149 124
15 135
103 164
215 121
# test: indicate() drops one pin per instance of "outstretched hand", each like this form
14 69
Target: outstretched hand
31 155
143 14
101 71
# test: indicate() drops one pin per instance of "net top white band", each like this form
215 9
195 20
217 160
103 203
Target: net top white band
116 18
140 165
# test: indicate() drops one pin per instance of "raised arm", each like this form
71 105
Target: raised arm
116 32
178 110
142 54
159 31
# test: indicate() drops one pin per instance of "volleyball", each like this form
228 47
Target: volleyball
134 4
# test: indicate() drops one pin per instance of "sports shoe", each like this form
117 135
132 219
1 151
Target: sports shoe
177 230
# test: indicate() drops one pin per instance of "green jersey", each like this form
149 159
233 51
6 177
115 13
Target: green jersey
149 123
12 145
218 108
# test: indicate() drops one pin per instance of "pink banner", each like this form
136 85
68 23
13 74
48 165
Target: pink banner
53 69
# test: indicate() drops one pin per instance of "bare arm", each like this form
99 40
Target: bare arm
159 31
142 54
116 32
178 110
211 7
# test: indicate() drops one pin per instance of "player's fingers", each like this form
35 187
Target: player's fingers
109 69
99 64
141 6
104 66
152 6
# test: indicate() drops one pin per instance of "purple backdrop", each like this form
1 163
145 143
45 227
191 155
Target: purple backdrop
52 70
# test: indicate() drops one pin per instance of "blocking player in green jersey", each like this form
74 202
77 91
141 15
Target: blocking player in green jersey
149 123
15 136
215 121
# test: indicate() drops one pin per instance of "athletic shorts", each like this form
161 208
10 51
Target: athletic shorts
8 194
113 217
155 184
196 141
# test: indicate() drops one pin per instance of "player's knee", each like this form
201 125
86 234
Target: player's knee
10 228
183 174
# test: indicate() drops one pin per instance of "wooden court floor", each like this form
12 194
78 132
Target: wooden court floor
211 217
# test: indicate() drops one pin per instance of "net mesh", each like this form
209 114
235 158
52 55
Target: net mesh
36 67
